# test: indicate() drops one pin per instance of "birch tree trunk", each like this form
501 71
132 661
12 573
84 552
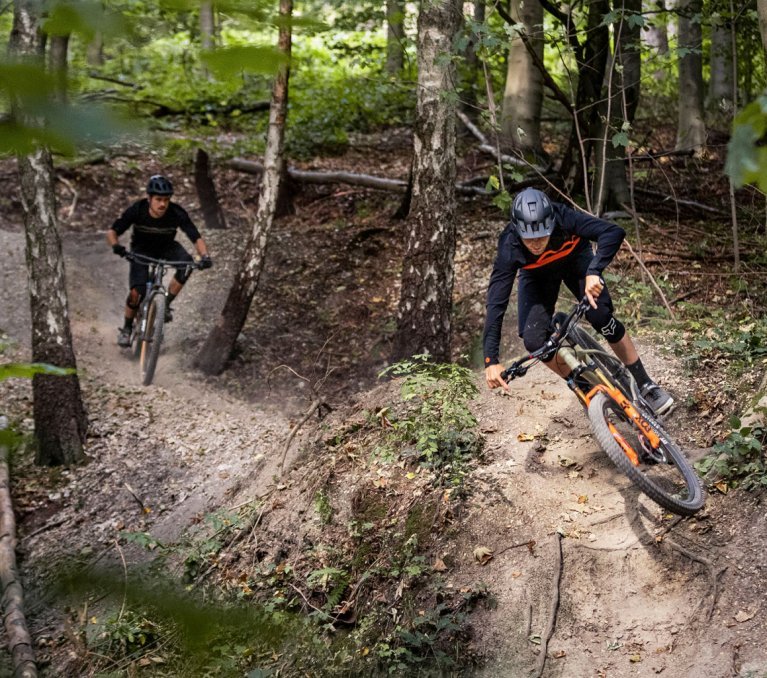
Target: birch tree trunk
523 94
424 314
59 412
691 126
395 35
761 9
220 343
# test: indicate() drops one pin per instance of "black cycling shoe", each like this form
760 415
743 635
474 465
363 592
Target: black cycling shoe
168 314
657 398
123 337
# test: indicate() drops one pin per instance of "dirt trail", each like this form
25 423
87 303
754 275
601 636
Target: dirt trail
629 604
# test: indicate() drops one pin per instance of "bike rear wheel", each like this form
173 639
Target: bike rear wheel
664 475
150 346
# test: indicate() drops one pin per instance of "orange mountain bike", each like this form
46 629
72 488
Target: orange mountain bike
623 422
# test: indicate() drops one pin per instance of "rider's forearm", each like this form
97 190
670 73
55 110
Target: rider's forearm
201 247
112 237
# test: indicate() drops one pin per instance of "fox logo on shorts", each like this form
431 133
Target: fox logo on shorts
609 329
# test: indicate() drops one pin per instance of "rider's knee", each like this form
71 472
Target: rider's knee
182 275
609 327
134 298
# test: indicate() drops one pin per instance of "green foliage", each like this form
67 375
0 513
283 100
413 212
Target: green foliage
127 634
323 507
747 155
29 370
739 459
437 426
232 61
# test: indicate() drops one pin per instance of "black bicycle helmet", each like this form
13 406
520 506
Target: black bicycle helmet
532 214
159 185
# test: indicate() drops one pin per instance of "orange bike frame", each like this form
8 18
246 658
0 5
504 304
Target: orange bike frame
631 412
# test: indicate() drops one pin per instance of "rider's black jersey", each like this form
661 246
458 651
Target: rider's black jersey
150 234
573 234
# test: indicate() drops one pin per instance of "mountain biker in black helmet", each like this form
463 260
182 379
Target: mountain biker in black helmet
155 220
549 243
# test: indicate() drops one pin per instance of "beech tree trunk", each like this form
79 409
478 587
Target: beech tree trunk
691 126
424 314
221 341
395 35
720 86
761 9
59 412
523 95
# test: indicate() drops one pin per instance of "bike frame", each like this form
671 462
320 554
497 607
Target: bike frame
576 358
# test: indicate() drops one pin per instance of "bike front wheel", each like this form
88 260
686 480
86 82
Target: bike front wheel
664 475
150 346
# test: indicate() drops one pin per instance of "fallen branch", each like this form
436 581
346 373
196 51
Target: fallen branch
74 193
530 543
553 608
686 203
19 640
45 528
341 177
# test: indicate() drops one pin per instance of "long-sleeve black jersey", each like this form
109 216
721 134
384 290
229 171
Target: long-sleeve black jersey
574 231
154 234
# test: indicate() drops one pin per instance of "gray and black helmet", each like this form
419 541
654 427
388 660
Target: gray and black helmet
532 214
159 185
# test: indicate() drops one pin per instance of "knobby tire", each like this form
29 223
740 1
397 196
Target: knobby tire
673 485
150 347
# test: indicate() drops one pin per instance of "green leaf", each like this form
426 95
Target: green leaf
620 139
84 17
29 370
231 61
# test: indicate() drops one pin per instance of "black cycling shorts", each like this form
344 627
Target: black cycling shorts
537 296
139 273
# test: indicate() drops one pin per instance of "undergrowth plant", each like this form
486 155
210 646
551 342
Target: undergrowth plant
436 427
739 459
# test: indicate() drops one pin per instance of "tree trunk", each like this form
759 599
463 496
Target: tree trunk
720 87
60 418
57 63
221 341
206 192
424 314
691 127
523 95
655 33
623 94
207 24
472 71
395 35
592 60
95 51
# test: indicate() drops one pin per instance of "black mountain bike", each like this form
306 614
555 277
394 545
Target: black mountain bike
147 334
624 424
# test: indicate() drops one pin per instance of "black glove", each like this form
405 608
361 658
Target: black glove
119 249
206 262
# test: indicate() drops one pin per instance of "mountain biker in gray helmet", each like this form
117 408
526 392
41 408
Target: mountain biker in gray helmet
154 220
548 243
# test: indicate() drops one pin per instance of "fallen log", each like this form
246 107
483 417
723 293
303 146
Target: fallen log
19 640
341 177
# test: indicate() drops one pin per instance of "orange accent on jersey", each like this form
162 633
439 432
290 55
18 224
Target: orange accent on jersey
553 255
487 360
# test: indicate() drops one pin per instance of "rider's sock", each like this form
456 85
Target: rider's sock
169 297
638 372
128 324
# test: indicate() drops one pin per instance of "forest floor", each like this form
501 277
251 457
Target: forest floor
639 593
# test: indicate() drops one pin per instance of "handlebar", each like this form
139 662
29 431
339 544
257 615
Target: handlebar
144 259
520 366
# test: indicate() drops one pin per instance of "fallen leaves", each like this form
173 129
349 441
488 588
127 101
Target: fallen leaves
483 555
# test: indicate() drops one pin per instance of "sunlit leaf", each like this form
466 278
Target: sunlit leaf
84 17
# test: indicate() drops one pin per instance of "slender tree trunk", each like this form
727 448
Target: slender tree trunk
221 341
623 95
523 95
206 192
58 51
95 51
60 418
395 35
761 8
691 127
424 314
472 70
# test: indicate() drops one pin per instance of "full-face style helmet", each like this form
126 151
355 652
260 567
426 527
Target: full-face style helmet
159 185
532 214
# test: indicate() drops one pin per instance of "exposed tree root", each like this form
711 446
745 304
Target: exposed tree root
713 574
553 608
19 640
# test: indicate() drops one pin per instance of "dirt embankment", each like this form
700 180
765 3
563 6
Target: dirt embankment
639 595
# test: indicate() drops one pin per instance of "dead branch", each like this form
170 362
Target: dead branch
686 203
553 608
530 543
45 528
133 494
74 193
314 406
19 640
485 146
653 282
